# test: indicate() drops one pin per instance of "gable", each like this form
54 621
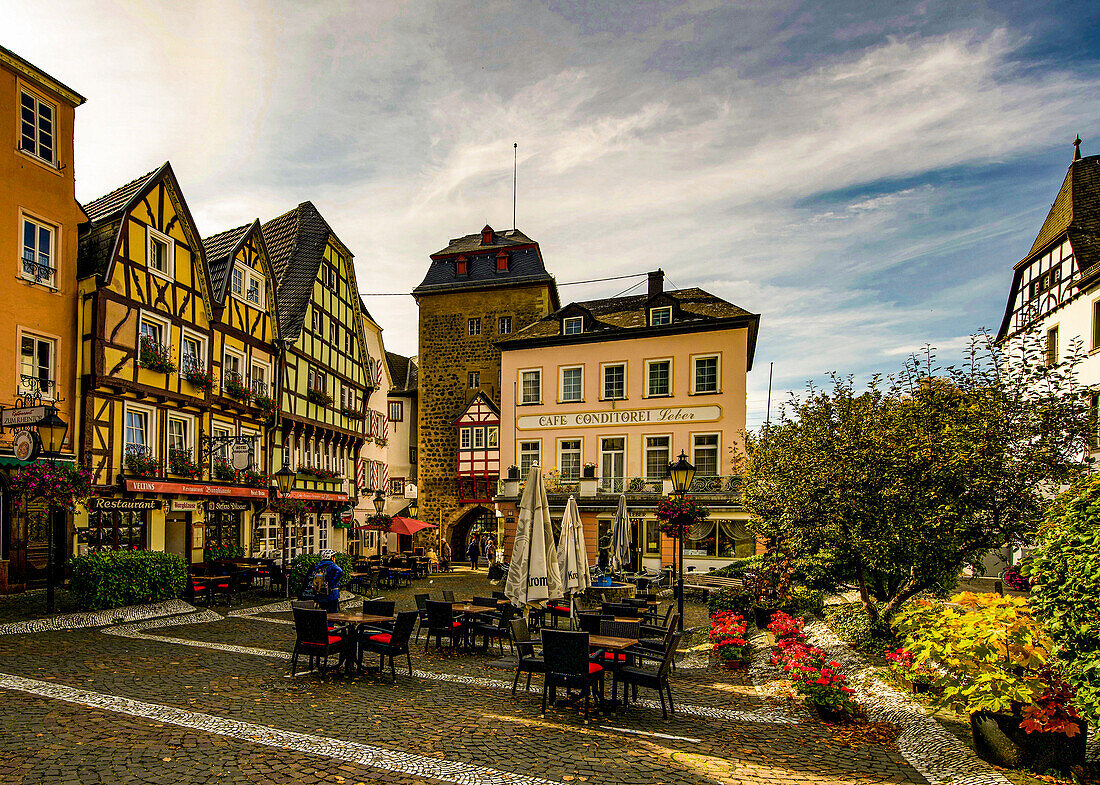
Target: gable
480 410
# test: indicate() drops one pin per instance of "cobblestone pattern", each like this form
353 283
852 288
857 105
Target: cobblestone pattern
72 621
931 749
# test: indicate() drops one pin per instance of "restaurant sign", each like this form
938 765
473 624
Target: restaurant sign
315 496
185 505
669 415
226 506
124 505
195 489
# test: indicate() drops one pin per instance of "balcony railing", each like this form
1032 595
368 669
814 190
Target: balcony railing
35 386
37 272
637 486
260 388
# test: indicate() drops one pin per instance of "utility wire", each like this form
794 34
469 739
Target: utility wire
567 283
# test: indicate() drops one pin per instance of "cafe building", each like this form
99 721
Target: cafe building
604 394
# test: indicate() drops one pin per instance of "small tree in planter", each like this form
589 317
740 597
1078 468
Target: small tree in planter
154 356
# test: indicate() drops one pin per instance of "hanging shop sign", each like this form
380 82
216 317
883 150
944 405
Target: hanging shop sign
185 505
241 455
226 506
124 505
195 489
22 416
26 445
669 415
314 496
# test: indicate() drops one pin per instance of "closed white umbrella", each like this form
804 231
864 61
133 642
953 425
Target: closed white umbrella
620 538
572 555
533 574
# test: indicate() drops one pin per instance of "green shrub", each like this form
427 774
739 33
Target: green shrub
1063 575
851 624
804 601
303 565
738 567
115 578
737 600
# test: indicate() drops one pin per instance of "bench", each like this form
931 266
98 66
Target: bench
711 583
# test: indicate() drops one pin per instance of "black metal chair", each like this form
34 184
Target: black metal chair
314 638
500 630
560 608
651 679
390 644
380 608
620 609
529 662
590 622
486 602
228 588
442 624
654 648
617 629
422 612
567 665
448 595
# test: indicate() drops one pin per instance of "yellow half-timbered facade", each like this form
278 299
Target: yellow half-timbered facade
328 374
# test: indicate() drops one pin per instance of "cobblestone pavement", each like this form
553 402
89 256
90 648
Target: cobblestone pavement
170 701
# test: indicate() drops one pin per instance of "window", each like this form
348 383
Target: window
397 486
492 432
614 382
1052 346
190 354
179 435
656 457
652 538
658 373
463 438
612 464
238 281
569 459
704 454
231 366
348 341
159 253
154 331
660 316
473 379
1096 324
572 384
504 325
706 374
221 449
36 366
137 431
479 438
573 325
531 386
397 411
255 291
334 334
112 530
328 276
259 379
460 265
38 256
36 131
475 326
529 454
315 321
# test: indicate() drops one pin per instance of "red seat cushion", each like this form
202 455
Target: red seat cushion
382 637
594 668
610 655
332 639
196 587
456 624
559 609
223 585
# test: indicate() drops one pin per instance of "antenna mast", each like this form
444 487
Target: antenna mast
768 417
515 174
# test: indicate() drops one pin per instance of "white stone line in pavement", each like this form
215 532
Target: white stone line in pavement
767 715
72 621
651 733
365 755
938 755
763 673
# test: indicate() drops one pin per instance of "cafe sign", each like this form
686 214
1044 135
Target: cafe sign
185 505
227 506
124 505
669 415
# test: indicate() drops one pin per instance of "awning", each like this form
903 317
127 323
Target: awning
407 526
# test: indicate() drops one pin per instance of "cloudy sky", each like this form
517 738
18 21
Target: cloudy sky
864 175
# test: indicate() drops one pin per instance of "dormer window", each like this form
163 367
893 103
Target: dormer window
502 261
660 316
572 325
461 265
487 235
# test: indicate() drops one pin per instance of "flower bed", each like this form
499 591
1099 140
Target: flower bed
784 626
816 679
727 637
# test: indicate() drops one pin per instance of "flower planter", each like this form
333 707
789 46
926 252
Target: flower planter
589 472
762 617
732 665
1037 751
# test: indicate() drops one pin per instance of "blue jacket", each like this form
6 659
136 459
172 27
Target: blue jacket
333 574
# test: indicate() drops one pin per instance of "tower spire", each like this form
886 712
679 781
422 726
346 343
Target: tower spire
1077 148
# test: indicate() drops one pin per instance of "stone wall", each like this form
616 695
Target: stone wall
447 354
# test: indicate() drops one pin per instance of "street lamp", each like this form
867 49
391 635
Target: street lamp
284 481
681 473
51 434
379 505
414 508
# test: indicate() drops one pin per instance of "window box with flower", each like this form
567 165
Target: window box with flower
199 378
154 356
181 462
318 473
253 478
140 462
233 386
319 397
351 413
265 403
223 471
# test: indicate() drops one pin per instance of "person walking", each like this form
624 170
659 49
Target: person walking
473 553
491 550
445 557
325 581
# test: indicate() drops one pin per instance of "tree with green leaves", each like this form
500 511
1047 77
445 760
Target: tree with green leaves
898 485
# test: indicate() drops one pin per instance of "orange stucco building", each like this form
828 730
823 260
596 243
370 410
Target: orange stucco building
39 215
603 395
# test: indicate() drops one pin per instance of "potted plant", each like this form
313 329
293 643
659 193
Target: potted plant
223 471
917 678
783 626
141 463
991 659
200 378
213 553
319 397
180 462
770 587
727 638
233 386
588 471
154 356
818 680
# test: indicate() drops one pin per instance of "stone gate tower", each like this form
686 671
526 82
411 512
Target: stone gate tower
478 289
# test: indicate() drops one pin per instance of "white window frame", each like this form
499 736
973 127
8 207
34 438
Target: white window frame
520 451
53 342
223 430
150 413
602 452
571 321
648 391
236 281
229 352
717 357
39 100
245 433
603 381
165 327
663 310
522 391
54 231
186 335
266 368
561 384
188 431
253 277
152 234
465 439
645 454
580 456
717 450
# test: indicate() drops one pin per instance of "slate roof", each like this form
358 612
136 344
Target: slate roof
97 235
109 205
218 248
402 372
295 246
525 264
617 318
1076 211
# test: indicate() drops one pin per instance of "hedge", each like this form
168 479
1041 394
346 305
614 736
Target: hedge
112 579
737 600
738 567
852 625
303 565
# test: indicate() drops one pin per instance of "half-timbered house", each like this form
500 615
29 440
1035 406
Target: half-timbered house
327 372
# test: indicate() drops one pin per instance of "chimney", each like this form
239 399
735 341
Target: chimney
656 282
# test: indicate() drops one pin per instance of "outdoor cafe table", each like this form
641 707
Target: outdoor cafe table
470 610
351 654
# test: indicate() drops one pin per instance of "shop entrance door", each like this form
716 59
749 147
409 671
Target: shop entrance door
176 539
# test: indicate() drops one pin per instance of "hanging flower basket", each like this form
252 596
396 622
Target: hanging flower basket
289 508
199 378
679 516
154 356
63 487
380 523
234 387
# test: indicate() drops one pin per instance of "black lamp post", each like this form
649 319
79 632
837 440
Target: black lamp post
284 481
51 433
379 505
682 473
413 508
